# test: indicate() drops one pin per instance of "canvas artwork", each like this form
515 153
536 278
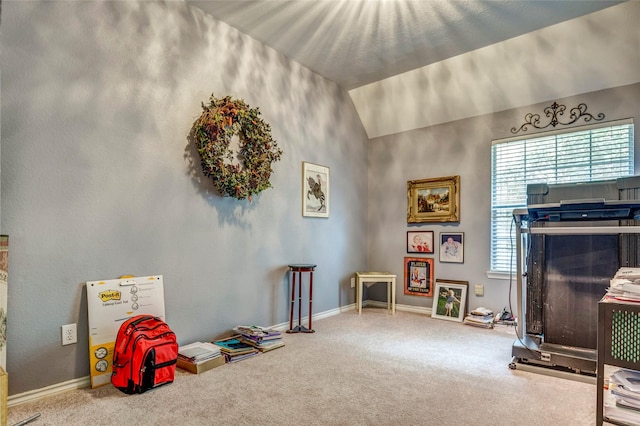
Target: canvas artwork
433 200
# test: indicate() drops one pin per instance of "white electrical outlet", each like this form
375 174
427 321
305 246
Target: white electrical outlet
69 334
353 282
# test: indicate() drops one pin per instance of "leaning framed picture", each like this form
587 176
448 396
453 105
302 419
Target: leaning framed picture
450 300
433 200
420 242
452 247
315 190
418 276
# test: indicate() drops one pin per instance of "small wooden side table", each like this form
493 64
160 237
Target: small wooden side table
299 269
372 278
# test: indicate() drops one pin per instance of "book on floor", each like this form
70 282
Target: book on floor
234 346
264 345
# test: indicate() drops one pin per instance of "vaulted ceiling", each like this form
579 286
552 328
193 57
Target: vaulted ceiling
358 43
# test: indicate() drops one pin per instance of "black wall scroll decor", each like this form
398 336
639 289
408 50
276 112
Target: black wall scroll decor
555 113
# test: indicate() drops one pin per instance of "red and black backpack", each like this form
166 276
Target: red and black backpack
145 355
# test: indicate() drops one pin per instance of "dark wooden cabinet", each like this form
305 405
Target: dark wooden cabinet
618 344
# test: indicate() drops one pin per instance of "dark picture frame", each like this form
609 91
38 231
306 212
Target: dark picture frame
450 300
418 276
433 200
420 242
451 247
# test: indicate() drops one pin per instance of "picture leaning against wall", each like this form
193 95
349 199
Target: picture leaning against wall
450 301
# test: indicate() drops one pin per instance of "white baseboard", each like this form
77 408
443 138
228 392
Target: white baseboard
406 308
85 382
21 398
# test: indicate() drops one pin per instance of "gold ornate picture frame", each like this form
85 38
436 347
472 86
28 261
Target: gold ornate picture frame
433 200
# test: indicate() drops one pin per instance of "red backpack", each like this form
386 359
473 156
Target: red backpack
145 355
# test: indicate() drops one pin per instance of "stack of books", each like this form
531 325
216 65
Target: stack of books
625 285
198 357
262 338
622 400
235 349
480 317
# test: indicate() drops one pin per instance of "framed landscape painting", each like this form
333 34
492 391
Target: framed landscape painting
315 190
433 200
418 276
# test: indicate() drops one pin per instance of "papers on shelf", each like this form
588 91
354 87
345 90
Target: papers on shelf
629 379
622 400
625 285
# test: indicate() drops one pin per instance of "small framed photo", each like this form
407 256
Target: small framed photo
418 276
450 300
452 247
420 242
433 200
315 190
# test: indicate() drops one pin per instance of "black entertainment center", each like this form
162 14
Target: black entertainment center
571 240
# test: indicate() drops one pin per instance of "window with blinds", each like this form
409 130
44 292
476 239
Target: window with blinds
579 155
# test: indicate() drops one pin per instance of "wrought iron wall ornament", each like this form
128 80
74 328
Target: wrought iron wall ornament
555 112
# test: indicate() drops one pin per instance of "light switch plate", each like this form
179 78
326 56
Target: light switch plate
479 290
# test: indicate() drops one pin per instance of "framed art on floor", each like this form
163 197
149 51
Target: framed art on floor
418 276
315 190
450 300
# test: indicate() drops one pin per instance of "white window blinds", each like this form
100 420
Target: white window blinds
580 155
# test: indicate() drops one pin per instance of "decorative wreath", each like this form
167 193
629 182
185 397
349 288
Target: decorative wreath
220 121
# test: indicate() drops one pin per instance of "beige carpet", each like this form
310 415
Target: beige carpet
372 369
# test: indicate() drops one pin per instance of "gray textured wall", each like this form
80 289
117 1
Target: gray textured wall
460 148
98 179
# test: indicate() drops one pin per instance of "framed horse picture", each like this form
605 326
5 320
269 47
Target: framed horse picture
315 190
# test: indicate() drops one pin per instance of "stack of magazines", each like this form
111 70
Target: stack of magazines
235 349
622 401
262 338
480 317
199 357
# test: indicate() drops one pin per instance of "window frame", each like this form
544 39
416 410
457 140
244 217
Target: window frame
504 253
